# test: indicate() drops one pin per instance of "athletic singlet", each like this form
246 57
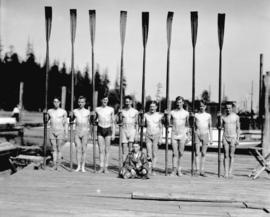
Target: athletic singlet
153 123
129 117
57 119
104 116
202 123
229 124
179 118
82 119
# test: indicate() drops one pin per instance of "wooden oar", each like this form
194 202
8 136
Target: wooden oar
145 27
123 21
73 18
221 25
48 24
260 97
194 28
92 21
169 33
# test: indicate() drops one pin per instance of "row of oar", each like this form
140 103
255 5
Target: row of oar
145 27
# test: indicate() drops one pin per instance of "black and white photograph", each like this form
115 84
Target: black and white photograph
134 108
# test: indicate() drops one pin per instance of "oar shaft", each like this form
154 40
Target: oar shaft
193 110
219 110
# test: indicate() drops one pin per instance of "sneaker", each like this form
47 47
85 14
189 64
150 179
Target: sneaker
203 174
179 173
106 170
173 173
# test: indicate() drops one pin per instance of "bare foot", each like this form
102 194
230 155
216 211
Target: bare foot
78 169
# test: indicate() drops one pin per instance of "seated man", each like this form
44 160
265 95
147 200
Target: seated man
135 165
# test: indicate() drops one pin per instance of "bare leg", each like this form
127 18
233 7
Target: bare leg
101 146
125 150
226 155
84 147
154 152
197 156
175 155
182 144
107 152
78 152
53 143
149 151
204 150
231 158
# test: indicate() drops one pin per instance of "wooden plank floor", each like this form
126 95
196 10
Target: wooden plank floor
62 193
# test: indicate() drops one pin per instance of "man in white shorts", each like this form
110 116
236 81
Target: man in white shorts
203 132
153 123
105 132
179 120
58 129
231 132
129 125
82 120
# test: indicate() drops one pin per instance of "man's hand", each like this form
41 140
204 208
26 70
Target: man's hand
211 142
144 171
113 137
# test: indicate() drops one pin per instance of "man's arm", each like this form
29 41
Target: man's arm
210 129
238 128
113 124
65 124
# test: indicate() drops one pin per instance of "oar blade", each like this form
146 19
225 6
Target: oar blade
145 27
92 21
48 21
123 22
169 27
221 28
194 26
73 20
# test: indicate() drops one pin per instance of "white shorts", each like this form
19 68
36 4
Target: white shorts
128 135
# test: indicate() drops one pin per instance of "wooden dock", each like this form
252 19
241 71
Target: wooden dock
63 193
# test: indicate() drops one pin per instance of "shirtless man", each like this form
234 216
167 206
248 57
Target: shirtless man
231 132
179 120
82 120
203 131
105 132
129 126
58 129
153 123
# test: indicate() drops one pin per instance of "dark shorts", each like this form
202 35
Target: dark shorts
104 132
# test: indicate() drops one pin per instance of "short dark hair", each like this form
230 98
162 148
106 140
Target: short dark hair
203 102
179 98
81 97
153 102
128 97
56 97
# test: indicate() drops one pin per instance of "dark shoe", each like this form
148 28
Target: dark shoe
203 174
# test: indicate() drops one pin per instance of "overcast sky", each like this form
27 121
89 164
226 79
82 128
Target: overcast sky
247 34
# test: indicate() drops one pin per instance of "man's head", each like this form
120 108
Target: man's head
56 102
105 100
228 108
202 106
153 106
136 147
81 101
179 101
128 101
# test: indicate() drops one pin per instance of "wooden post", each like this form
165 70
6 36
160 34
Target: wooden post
266 134
260 97
63 97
